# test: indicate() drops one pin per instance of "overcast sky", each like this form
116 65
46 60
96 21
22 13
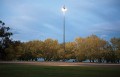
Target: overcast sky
42 19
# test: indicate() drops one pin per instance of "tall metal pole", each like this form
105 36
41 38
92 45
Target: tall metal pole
64 32
64 9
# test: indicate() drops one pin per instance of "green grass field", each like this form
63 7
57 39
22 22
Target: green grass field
23 70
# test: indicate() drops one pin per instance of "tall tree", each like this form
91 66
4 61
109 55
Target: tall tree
5 40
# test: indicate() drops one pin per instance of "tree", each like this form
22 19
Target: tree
5 40
50 49
95 48
116 48
80 49
13 51
31 50
70 50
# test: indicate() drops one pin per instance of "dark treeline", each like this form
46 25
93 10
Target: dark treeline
91 48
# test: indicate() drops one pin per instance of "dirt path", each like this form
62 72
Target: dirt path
59 63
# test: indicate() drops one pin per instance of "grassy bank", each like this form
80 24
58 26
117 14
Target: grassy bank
23 70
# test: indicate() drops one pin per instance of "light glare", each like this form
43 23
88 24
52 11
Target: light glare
64 9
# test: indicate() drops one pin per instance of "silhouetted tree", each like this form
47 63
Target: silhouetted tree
5 40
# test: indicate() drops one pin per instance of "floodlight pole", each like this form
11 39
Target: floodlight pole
64 31
64 9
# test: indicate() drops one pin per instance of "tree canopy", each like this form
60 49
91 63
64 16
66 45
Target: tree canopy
91 48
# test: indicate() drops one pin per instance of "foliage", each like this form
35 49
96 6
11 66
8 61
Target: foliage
92 48
5 40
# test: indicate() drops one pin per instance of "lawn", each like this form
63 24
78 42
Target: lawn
23 70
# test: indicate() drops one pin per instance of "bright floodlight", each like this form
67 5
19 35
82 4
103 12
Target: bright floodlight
64 9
